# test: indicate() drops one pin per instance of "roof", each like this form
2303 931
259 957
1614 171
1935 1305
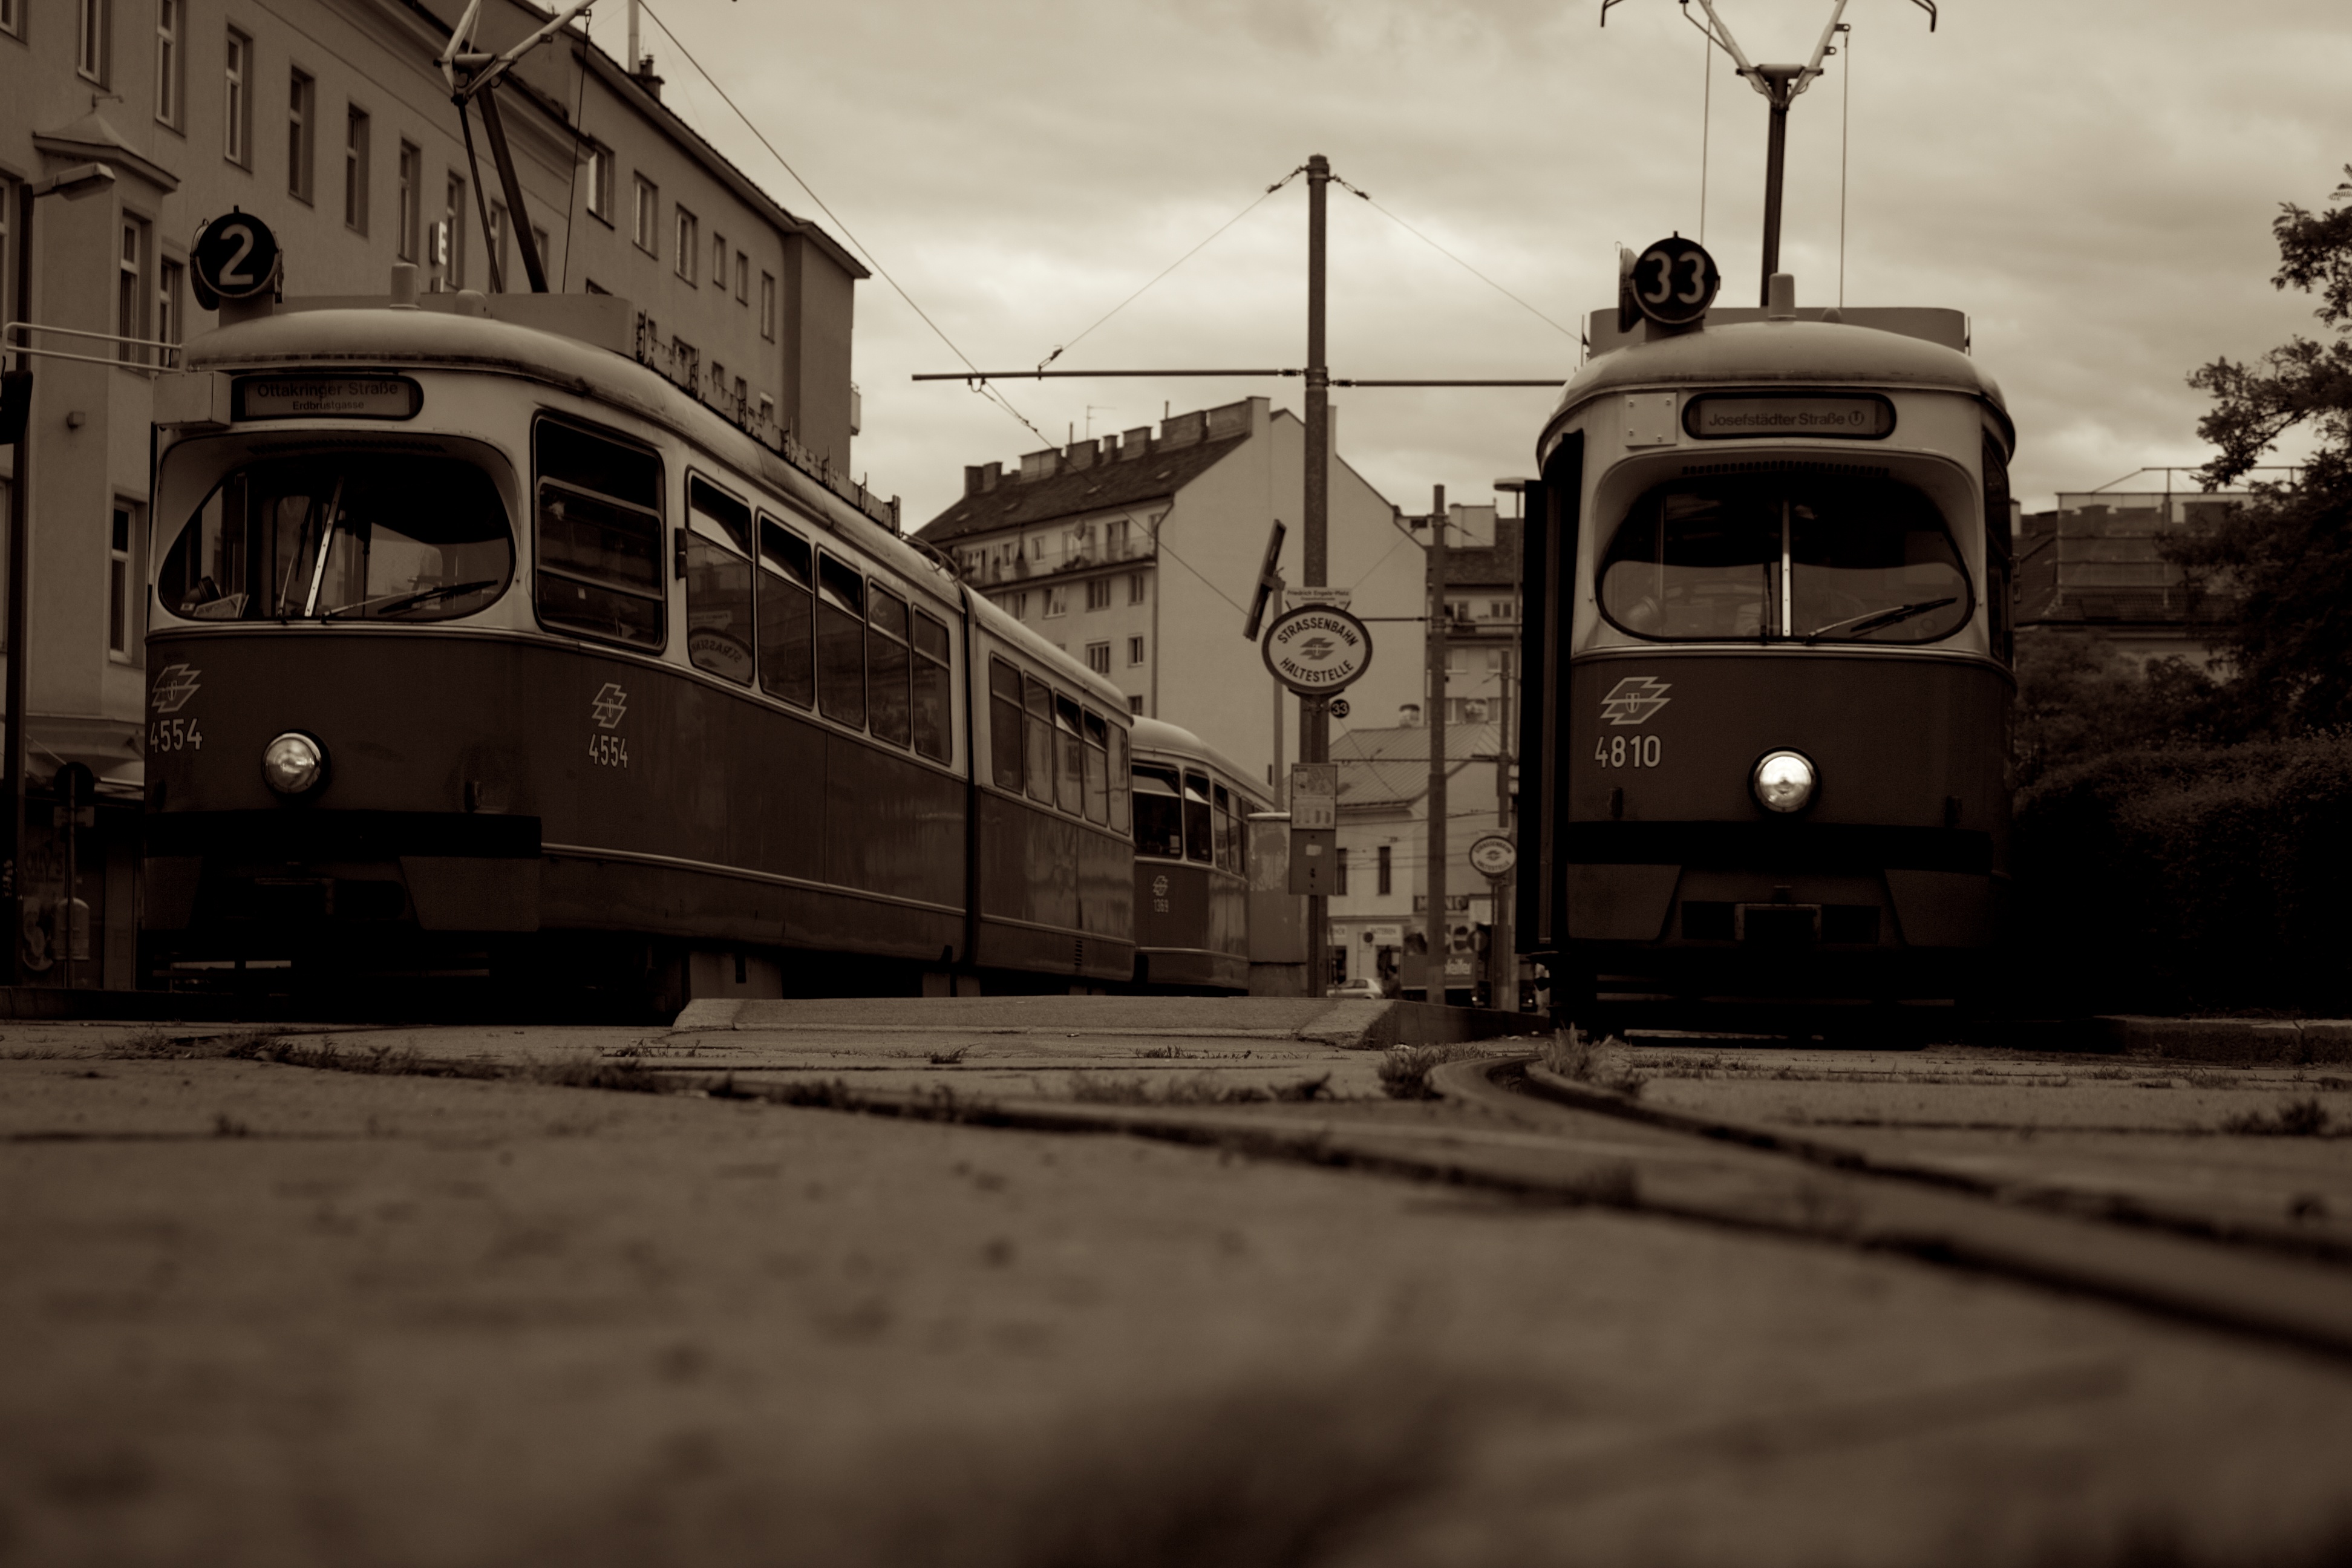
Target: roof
1391 766
1158 739
1495 564
1761 353
1148 476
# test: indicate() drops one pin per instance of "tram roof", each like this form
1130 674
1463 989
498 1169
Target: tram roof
1159 735
1796 352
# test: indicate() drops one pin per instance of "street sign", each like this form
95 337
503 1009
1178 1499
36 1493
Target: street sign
235 258
1674 281
1314 797
1494 856
1315 650
1337 598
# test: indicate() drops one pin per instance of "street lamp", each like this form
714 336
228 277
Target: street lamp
83 179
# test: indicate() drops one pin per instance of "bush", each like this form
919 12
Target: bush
2188 878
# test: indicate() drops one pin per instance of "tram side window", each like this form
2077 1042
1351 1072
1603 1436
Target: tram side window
1816 559
1097 769
1038 741
600 536
888 668
1005 725
934 705
840 641
719 632
1200 835
787 614
1159 812
1227 851
1070 778
1119 778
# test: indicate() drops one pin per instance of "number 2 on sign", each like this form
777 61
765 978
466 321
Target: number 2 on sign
609 750
1626 751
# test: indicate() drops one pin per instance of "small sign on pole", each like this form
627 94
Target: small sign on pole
1494 856
1314 797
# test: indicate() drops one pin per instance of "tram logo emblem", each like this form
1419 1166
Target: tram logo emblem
174 687
610 705
1633 700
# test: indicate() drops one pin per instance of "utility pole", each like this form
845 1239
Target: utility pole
1503 961
1433 879
1314 715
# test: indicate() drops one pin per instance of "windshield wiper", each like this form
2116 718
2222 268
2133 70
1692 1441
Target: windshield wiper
395 602
1875 619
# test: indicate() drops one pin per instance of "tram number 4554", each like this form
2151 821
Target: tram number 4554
609 750
174 735
1626 751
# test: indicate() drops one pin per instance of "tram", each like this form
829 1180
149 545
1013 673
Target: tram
1767 655
480 648
1192 812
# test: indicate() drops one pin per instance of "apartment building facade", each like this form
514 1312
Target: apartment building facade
330 120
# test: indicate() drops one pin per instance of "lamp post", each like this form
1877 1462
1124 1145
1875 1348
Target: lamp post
81 181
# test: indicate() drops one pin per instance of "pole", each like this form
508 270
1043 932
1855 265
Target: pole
1776 82
1503 961
20 524
1314 716
1435 879
518 216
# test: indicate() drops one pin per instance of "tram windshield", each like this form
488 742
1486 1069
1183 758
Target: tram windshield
1788 559
348 535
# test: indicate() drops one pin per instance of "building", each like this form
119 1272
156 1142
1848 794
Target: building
1379 918
329 120
2095 566
1139 553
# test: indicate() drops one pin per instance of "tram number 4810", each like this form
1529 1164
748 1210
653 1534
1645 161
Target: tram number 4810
1626 751
609 750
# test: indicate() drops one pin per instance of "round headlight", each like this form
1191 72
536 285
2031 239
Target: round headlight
1783 781
294 763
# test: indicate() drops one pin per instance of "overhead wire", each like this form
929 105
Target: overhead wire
1366 196
982 387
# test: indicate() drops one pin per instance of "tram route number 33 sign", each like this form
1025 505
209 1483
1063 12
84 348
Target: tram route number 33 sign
1317 649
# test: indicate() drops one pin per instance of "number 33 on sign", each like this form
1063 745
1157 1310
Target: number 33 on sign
1626 751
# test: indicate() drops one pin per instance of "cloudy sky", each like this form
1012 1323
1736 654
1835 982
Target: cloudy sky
2093 182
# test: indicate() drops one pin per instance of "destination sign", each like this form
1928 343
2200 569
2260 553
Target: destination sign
1861 416
328 397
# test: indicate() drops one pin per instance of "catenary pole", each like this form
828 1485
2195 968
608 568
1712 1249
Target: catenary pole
1433 879
1314 714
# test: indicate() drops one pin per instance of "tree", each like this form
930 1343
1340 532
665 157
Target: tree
2288 551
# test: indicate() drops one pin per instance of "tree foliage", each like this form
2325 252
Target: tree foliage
2287 551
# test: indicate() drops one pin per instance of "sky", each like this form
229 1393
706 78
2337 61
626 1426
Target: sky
2092 182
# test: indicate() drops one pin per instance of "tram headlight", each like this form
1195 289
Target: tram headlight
294 763
1783 781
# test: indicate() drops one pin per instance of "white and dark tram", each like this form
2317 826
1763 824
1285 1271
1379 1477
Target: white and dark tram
1767 664
479 648
1193 809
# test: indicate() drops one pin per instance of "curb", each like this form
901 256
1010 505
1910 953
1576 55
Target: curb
2284 1041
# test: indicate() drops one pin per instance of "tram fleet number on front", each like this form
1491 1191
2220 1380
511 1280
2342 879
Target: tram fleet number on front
1626 751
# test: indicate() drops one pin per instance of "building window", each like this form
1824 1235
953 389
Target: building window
355 170
1385 871
302 138
742 278
167 62
599 179
647 221
452 235
1058 603
718 261
411 186
1135 650
168 284
131 292
236 135
91 39
121 585
686 364
1098 658
499 260
689 244
1098 594
768 306
1135 706
1135 587
1339 872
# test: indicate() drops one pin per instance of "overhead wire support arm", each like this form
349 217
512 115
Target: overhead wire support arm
472 75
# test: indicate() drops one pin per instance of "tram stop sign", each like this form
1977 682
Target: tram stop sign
1494 856
237 258
1317 649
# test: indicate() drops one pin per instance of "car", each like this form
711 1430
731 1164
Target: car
1363 986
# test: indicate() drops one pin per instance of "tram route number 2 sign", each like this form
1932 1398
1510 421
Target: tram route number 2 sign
235 258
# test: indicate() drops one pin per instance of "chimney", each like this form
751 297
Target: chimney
1135 443
1078 455
1041 465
